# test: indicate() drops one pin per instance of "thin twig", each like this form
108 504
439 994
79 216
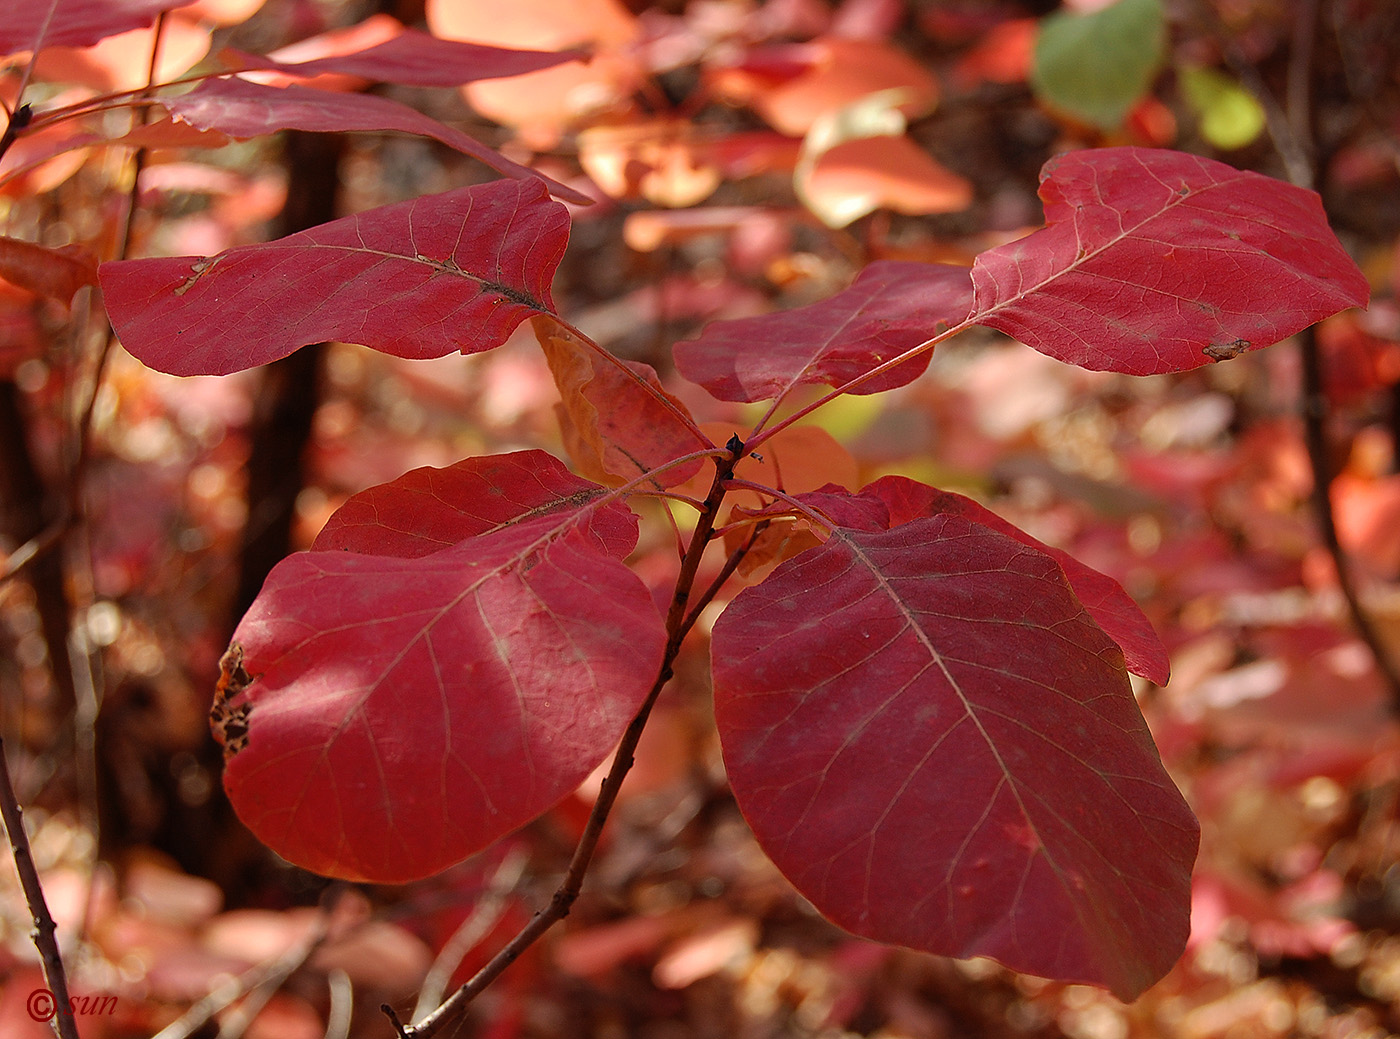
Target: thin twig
267 976
35 548
63 1022
1314 404
1290 147
1291 130
342 1004
568 890
472 930
730 565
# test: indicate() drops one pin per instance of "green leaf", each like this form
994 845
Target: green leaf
1096 67
1229 115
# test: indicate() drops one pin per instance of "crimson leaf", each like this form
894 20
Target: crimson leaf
891 307
429 509
1156 261
892 501
401 712
938 747
456 271
416 58
1108 604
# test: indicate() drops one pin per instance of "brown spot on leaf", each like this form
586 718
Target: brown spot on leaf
1226 351
228 720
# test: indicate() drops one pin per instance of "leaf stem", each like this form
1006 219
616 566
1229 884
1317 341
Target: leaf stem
730 565
677 625
810 513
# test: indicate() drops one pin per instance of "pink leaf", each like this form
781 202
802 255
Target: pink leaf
428 509
1155 261
30 25
418 59
456 271
938 746
243 110
398 714
890 308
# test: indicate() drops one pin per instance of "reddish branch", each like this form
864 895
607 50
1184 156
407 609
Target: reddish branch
678 623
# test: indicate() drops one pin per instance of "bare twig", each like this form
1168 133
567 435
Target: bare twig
1283 130
473 929
1291 128
342 1004
1314 415
265 978
63 1022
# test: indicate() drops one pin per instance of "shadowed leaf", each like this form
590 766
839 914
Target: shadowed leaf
32 24
938 746
244 110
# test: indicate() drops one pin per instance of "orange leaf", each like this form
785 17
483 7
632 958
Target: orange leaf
122 62
657 159
845 72
615 428
857 177
541 105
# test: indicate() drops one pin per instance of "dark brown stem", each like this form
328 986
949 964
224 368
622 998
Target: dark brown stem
1315 431
1293 134
27 511
44 927
17 121
1304 174
730 565
568 890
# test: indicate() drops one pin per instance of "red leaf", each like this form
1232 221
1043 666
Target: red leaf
1155 261
892 501
933 741
1108 604
428 509
456 271
53 273
243 110
891 307
31 25
404 713
418 59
